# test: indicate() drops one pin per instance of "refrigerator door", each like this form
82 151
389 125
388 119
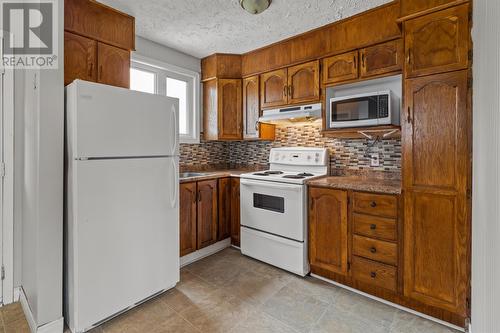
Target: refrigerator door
124 231
106 121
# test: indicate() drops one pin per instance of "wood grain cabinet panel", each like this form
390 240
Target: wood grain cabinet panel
328 229
80 58
438 42
187 216
113 65
435 178
375 227
375 204
235 211
224 206
251 107
343 67
229 109
382 58
207 213
375 273
410 7
303 83
274 88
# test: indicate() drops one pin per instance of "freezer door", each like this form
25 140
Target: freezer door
106 121
125 234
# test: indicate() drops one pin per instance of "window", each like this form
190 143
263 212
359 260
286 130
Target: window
159 78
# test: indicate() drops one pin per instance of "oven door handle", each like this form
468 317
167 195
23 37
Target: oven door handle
271 184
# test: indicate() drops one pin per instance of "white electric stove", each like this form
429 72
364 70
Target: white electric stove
274 207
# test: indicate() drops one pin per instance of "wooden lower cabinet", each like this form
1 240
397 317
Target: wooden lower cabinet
207 213
224 223
328 229
187 216
235 211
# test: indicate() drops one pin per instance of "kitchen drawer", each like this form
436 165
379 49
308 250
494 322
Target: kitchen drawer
375 273
375 204
375 249
374 226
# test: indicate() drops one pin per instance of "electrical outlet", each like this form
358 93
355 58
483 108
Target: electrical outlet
374 160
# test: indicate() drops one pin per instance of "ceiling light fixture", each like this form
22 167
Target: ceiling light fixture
255 6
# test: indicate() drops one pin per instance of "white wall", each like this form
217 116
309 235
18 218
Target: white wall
486 177
147 48
39 188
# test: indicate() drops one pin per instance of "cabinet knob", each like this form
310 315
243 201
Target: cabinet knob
373 226
373 250
257 125
373 275
373 204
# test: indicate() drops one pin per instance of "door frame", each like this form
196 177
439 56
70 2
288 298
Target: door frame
7 216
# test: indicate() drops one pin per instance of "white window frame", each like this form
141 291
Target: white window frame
164 70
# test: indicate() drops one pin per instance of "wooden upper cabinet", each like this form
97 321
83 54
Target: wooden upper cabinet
382 58
438 42
100 22
221 66
436 172
187 218
273 88
251 107
328 229
229 109
113 65
303 83
411 7
343 67
207 213
235 211
80 58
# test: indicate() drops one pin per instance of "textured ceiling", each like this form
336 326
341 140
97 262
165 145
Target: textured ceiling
203 27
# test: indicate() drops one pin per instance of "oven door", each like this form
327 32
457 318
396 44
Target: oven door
275 208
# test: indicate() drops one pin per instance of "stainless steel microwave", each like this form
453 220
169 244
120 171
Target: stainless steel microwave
370 109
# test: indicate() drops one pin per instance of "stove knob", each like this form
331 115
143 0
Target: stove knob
309 157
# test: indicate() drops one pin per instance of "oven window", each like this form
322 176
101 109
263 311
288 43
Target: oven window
268 202
355 109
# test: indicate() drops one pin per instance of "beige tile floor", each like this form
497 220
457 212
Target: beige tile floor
228 292
12 319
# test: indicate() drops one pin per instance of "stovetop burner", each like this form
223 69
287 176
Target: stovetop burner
274 172
294 177
305 174
261 174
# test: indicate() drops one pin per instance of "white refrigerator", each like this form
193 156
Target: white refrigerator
122 205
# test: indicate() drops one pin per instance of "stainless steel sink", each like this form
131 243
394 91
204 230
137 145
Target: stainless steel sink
183 175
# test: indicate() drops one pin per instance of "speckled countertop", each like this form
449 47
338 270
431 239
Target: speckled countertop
359 183
213 175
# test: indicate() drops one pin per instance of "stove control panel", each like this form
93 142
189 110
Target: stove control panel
299 156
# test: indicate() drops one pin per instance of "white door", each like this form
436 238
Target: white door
2 164
126 233
106 121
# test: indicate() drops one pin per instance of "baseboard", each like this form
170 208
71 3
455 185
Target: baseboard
205 252
397 306
17 294
56 326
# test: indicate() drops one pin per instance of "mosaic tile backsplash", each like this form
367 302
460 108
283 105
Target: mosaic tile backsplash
351 154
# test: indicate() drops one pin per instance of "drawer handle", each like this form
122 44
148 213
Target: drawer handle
373 204
373 250
373 226
373 275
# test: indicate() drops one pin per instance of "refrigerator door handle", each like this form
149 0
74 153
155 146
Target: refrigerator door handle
173 194
174 130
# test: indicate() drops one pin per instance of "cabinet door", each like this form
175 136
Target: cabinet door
79 58
438 42
207 213
303 83
273 88
224 205
251 107
210 127
409 7
187 216
235 211
229 109
340 68
328 229
381 59
436 168
114 65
